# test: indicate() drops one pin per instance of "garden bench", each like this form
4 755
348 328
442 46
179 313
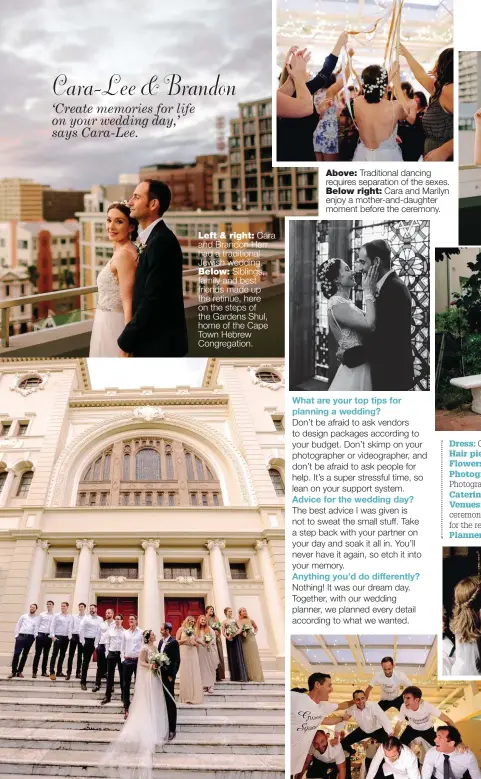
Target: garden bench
472 383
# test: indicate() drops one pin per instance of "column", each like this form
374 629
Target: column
271 593
151 616
4 494
84 573
36 574
219 577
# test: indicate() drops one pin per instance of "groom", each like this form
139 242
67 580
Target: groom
170 646
389 347
157 327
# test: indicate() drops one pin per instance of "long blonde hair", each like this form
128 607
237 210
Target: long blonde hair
466 621
187 622
201 628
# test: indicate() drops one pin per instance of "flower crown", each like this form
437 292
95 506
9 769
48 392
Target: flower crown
324 269
380 83
121 203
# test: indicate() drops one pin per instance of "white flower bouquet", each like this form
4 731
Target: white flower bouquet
216 625
158 660
246 629
231 630
189 632
207 638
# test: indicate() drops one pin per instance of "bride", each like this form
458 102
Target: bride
115 282
377 116
347 322
131 754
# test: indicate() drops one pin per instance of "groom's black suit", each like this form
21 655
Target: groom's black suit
390 349
172 651
157 327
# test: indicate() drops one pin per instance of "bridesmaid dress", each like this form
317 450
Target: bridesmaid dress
235 657
190 681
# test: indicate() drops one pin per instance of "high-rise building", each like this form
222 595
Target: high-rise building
248 181
61 204
191 184
469 87
21 200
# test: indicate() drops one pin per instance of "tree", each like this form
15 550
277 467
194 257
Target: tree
469 300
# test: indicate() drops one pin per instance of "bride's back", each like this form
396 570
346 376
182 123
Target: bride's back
376 121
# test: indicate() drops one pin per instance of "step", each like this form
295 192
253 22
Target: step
217 742
76 693
226 686
110 721
49 763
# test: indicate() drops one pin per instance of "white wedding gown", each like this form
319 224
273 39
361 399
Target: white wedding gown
109 316
348 379
387 151
130 755
467 654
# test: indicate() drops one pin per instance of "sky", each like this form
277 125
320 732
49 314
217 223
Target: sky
90 41
148 373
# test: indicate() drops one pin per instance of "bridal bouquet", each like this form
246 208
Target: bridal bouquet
158 660
216 626
231 630
246 629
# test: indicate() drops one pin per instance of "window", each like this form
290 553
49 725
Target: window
276 480
278 424
82 499
103 498
199 469
124 498
107 460
5 428
147 465
93 499
129 570
190 470
269 377
205 501
24 485
215 498
32 381
174 570
126 466
160 498
238 570
148 498
171 499
63 570
169 463
136 498
96 475
3 479
193 499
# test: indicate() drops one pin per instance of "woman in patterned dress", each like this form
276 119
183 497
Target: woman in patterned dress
326 134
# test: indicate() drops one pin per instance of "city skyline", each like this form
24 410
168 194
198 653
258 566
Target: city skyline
43 40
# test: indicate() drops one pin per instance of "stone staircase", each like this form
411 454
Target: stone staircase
55 729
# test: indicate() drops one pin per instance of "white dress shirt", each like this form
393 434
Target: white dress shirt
422 719
90 628
144 234
333 754
77 620
390 685
132 642
458 762
113 638
164 642
26 624
405 767
60 625
104 628
371 717
44 623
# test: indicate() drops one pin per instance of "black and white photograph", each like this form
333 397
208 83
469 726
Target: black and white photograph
359 305
461 619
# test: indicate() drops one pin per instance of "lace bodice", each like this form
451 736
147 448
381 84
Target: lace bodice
109 291
345 336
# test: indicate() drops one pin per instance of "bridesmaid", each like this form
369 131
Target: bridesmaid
190 680
208 657
252 659
212 620
235 655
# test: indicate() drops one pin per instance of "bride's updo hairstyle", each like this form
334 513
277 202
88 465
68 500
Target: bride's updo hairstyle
124 208
466 621
374 80
146 635
327 275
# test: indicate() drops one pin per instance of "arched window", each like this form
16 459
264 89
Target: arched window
199 469
107 460
96 474
190 470
3 479
147 465
126 465
276 480
88 474
32 381
25 483
169 462
269 377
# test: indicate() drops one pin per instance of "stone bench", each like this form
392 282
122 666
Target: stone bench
472 383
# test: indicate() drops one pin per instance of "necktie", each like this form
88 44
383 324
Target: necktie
446 768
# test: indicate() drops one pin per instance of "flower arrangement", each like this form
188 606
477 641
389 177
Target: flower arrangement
231 630
158 660
246 629
207 638
140 248
189 631
216 625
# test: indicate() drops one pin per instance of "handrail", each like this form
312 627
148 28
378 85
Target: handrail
65 294
469 167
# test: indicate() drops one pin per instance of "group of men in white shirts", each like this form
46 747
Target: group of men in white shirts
314 751
82 634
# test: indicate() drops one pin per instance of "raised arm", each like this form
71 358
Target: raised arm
367 691
418 71
375 763
301 105
477 137
447 720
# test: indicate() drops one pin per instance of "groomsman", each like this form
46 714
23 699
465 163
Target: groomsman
60 631
43 642
24 638
390 680
132 641
101 650
445 759
89 637
170 646
371 720
397 761
325 759
113 646
74 642
420 717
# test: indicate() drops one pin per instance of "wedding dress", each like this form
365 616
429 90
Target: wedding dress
350 379
109 316
387 151
130 755
467 654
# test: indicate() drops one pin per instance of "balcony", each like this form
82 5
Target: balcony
72 339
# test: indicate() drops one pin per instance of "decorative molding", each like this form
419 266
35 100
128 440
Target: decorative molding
186 579
253 370
85 543
19 377
217 543
260 544
245 586
182 424
42 544
116 579
12 443
149 413
150 543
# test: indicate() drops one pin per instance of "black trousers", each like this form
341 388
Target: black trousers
43 642
113 661
74 644
101 664
59 650
171 705
88 650
395 704
320 770
23 644
410 734
359 735
129 669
